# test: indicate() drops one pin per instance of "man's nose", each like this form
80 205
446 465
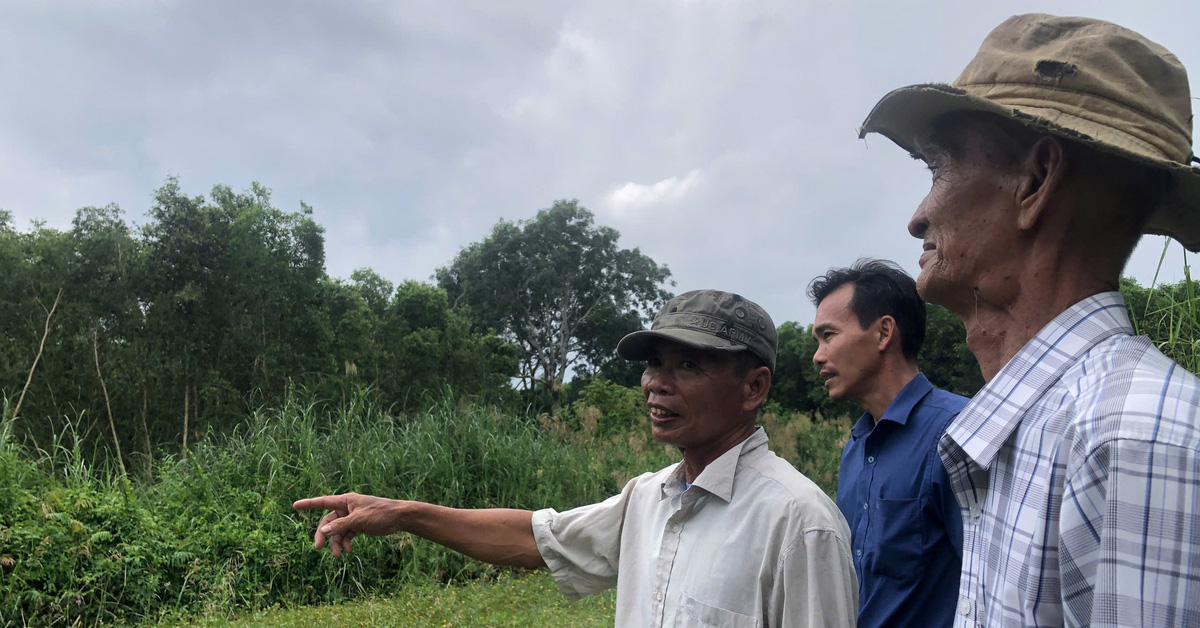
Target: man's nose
919 223
659 381
819 356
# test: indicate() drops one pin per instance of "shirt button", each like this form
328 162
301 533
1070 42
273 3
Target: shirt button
859 552
871 459
864 505
658 596
675 528
964 607
975 510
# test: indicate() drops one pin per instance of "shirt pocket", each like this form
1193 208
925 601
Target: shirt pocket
693 613
898 537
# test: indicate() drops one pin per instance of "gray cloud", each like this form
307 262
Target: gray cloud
716 136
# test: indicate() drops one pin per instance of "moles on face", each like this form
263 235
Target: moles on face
695 397
848 356
967 222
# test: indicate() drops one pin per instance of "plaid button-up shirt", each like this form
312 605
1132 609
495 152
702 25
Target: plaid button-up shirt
1078 470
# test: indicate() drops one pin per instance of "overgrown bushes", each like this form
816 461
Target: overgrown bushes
215 533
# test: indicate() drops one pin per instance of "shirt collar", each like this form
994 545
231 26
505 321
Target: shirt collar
717 477
899 409
992 415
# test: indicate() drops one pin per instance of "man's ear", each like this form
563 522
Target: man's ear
1042 173
888 332
755 387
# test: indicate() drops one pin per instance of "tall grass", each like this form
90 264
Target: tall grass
83 544
214 533
1168 313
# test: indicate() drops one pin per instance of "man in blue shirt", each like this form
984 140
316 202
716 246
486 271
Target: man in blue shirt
905 523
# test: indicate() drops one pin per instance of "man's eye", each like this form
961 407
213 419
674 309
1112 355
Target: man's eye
688 364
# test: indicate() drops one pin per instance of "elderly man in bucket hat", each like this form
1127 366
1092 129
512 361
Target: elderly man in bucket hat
1077 466
731 536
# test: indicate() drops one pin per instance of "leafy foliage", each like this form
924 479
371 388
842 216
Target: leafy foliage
557 286
215 304
605 407
216 532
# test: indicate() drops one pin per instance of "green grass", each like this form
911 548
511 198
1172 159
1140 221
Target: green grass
215 535
1168 313
510 601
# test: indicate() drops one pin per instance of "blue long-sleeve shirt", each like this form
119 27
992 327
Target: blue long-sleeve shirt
905 522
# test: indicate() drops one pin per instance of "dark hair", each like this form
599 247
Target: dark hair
881 288
746 361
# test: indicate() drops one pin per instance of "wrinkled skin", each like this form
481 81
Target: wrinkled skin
967 224
698 401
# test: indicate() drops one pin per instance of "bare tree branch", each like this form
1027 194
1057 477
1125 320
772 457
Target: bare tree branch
38 358
107 404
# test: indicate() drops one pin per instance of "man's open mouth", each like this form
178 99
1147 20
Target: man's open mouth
662 413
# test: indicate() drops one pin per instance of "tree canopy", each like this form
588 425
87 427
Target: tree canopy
154 335
559 287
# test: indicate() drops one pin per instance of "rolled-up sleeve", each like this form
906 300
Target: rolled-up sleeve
816 584
582 546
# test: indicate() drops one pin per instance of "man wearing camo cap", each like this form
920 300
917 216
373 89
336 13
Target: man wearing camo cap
1077 466
730 536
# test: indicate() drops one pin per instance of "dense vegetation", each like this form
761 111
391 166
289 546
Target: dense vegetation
215 533
147 337
167 390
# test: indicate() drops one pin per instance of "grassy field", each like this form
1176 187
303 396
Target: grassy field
510 601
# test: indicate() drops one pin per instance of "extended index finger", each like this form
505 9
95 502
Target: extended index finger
327 502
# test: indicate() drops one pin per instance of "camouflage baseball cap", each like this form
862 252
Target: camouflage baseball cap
710 320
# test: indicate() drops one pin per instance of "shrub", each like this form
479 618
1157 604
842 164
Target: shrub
215 532
605 408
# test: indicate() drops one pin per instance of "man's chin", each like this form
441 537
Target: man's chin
664 435
932 288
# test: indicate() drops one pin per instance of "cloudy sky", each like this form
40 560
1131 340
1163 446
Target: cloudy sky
716 135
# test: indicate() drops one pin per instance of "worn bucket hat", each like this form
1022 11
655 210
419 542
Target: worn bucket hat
1084 79
710 320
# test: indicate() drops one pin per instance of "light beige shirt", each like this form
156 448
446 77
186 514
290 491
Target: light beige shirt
751 543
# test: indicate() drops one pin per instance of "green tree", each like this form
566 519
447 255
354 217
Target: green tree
559 287
217 303
233 297
427 345
795 375
14 283
375 290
